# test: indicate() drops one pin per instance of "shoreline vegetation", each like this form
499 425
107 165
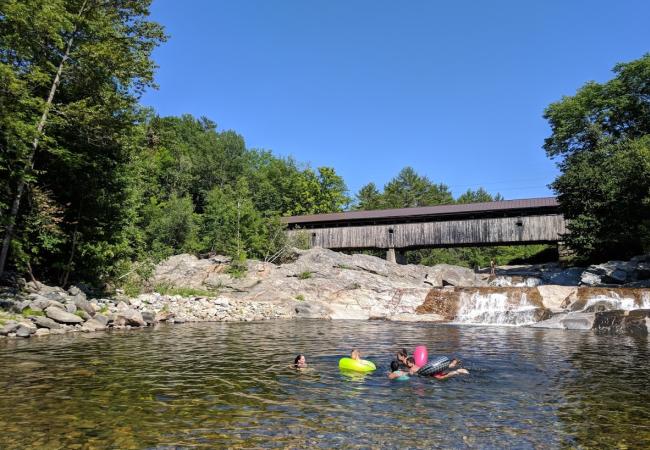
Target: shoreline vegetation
608 298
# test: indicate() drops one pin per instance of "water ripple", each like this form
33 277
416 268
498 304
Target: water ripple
229 385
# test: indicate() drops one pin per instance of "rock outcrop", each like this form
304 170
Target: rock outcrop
323 284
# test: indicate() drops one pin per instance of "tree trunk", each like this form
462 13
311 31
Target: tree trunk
13 213
75 238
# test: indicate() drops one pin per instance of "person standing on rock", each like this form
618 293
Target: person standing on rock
493 268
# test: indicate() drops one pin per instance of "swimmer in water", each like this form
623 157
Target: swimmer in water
300 362
395 371
402 355
414 368
355 354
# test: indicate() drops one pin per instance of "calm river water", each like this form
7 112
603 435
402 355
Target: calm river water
228 385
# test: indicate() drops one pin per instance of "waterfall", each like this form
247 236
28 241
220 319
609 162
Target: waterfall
502 281
495 309
614 301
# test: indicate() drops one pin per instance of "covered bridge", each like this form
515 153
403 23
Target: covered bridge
507 222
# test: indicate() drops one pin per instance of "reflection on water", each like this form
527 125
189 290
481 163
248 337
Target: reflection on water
228 385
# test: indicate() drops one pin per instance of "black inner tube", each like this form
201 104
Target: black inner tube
434 366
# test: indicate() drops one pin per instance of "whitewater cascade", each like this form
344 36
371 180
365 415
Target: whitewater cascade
495 309
615 301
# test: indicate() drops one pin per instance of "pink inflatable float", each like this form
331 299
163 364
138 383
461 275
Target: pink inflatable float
420 355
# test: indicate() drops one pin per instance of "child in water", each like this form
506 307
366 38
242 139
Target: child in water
395 371
300 362
402 355
355 354
413 369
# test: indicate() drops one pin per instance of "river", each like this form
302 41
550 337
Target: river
228 385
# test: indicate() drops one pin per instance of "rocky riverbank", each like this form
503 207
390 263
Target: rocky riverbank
322 284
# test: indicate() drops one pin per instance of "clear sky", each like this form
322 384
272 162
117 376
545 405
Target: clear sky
455 89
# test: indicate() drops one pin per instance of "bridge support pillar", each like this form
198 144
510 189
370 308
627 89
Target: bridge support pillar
564 252
395 256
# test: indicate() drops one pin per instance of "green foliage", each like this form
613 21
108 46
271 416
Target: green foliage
601 140
369 198
170 226
299 239
475 257
31 312
478 196
238 267
168 289
408 189
305 275
132 287
78 211
300 298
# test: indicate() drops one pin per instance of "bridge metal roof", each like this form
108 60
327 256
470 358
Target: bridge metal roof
384 215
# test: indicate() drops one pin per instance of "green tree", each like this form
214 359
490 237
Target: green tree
600 139
369 198
478 196
74 70
231 224
408 189
170 227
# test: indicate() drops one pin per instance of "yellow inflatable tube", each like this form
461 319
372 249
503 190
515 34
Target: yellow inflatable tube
358 365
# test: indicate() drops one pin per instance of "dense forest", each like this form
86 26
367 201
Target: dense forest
94 187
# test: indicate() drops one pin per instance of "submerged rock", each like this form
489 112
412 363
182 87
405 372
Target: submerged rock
635 322
568 321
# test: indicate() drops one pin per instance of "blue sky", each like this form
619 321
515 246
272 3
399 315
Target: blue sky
455 89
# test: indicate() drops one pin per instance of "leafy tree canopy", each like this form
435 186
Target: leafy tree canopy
601 141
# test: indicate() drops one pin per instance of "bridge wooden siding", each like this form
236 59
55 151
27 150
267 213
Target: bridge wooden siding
496 223
503 230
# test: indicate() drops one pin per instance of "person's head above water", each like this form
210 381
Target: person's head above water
402 355
394 366
300 361
410 361
355 354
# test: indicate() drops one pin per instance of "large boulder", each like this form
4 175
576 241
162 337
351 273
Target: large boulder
93 325
101 319
9 327
130 317
76 292
45 322
566 277
24 331
149 317
311 310
189 271
62 316
81 303
456 276
611 272
557 298
38 302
